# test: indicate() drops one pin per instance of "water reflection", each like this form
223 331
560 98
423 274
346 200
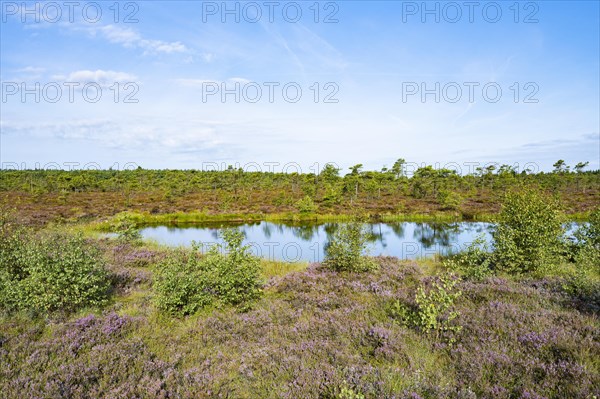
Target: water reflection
308 242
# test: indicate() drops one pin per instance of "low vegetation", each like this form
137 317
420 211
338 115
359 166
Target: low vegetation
187 281
119 317
530 233
475 262
43 196
319 333
347 250
49 272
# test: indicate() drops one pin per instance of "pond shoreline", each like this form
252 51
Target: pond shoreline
183 219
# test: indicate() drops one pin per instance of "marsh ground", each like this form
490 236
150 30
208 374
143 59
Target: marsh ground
315 333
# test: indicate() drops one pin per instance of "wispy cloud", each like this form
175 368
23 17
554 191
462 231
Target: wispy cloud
132 133
32 70
27 74
279 39
101 77
132 39
318 49
582 140
126 37
185 82
194 83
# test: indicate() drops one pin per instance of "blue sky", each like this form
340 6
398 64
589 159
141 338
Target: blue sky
373 58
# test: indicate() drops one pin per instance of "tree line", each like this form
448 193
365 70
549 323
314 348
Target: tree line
329 186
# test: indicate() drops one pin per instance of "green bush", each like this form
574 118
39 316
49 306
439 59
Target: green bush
346 250
587 252
348 393
433 312
449 199
529 235
236 274
584 283
588 235
50 273
12 242
179 282
401 313
187 281
64 273
332 195
584 286
306 205
475 262
126 229
435 308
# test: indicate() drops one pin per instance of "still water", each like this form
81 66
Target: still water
294 243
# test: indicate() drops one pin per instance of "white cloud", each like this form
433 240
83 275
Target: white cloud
76 129
187 82
126 37
242 81
145 134
35 19
29 74
208 57
32 70
130 38
101 77
193 82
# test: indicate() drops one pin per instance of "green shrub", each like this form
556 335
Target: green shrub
342 391
348 393
401 313
180 283
126 229
475 262
589 233
583 284
187 281
11 244
12 240
433 312
346 250
236 274
64 273
449 199
529 235
435 307
55 272
588 258
306 205
587 246
331 196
